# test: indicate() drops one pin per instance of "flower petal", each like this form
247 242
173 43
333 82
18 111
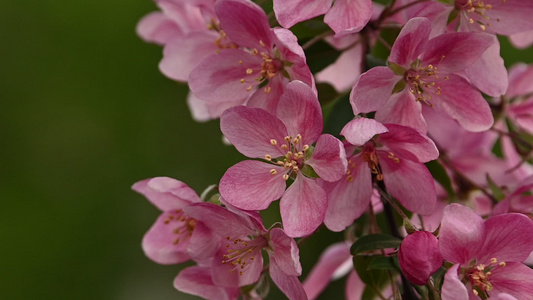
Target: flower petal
251 131
285 252
419 256
220 221
514 279
411 42
290 12
166 193
453 288
196 280
373 89
288 284
409 182
303 207
461 234
402 109
343 73
329 158
249 185
361 130
488 73
157 28
408 143
348 16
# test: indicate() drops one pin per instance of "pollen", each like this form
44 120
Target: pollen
273 172
273 142
249 71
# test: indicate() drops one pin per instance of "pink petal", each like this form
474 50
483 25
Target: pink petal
373 89
290 50
488 73
411 42
464 103
453 288
361 130
508 238
218 76
409 143
166 193
229 275
348 199
522 40
348 16
410 183
157 28
455 51
355 287
196 280
343 73
303 207
520 78
159 242
419 257
402 109
331 259
514 279
245 23
509 17
181 56
251 130
202 246
328 159
207 110
300 111
249 185
268 100
285 252
461 234
290 12
289 285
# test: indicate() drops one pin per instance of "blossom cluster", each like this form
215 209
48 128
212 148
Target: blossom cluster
439 139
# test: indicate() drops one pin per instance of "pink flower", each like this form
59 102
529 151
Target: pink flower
426 70
419 256
395 157
285 142
255 73
344 17
196 280
242 237
488 254
175 237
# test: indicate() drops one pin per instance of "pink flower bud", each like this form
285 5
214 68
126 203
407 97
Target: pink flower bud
419 257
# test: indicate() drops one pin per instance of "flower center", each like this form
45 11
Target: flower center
423 82
222 42
479 276
184 226
370 156
294 158
475 10
242 252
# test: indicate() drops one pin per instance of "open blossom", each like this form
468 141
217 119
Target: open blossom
242 237
257 71
425 72
285 143
175 237
344 17
395 157
487 254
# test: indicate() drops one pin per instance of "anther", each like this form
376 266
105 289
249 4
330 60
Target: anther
286 177
249 71
273 142
273 172
268 157
243 81
268 89
261 43
249 88
305 147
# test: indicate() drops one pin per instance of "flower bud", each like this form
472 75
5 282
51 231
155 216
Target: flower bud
419 257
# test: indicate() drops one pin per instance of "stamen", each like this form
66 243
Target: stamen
273 172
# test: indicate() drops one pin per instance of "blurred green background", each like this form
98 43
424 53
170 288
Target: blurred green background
85 114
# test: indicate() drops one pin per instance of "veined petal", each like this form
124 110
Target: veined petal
166 193
453 288
290 12
349 197
329 158
157 28
181 56
520 78
355 287
361 130
196 280
229 275
285 252
419 256
268 96
402 109
300 111
462 102
373 89
515 279
409 182
250 185
461 234
251 131
245 23
220 221
303 207
218 76
287 44
508 238
488 73
411 42
288 284
455 51
348 16
329 262
509 17
409 143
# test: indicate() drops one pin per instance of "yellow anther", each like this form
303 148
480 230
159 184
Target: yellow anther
502 264
483 27
305 147
295 168
249 71
471 21
243 81
493 260
273 142
255 52
379 177
240 62
475 292
286 177
273 172
268 157
349 178
284 146
268 89
261 43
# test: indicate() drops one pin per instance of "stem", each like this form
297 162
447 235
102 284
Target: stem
317 38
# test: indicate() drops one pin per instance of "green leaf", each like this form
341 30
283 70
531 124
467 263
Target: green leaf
374 242
371 277
383 263
338 115
320 55
308 171
439 173
495 189
396 68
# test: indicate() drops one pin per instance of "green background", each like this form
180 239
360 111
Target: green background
84 114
